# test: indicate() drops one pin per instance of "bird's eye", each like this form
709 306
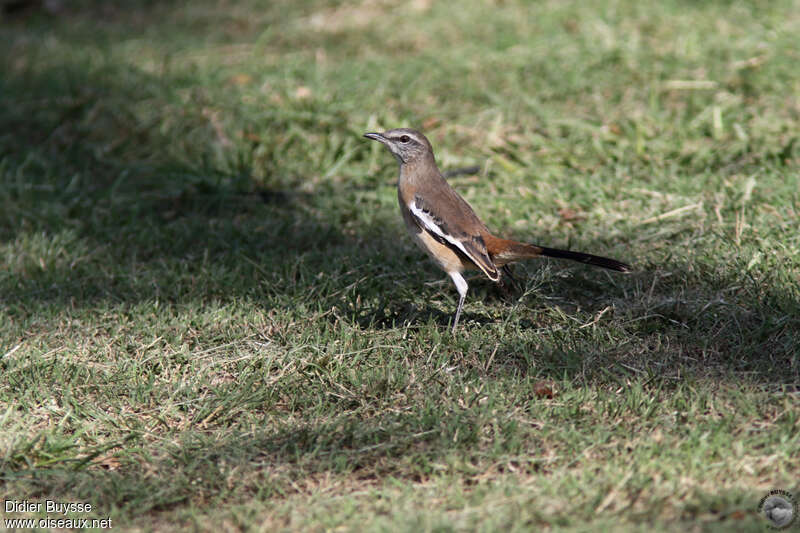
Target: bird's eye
404 139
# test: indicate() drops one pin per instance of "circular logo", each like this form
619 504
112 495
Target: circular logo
779 508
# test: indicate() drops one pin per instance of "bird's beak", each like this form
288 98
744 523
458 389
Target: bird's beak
376 137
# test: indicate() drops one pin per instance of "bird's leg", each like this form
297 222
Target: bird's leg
461 287
458 313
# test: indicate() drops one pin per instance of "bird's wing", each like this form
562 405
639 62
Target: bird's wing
460 229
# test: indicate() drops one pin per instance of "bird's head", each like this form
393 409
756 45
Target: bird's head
406 145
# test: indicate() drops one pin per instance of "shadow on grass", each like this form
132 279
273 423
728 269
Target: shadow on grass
390 314
102 210
108 216
272 464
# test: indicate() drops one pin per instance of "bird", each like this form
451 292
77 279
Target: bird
445 226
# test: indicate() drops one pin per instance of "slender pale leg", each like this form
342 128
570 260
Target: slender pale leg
461 287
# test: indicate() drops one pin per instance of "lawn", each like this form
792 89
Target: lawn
212 318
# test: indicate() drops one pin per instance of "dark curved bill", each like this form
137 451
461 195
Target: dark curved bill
375 137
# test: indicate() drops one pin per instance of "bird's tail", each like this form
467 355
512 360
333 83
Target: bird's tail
504 251
589 259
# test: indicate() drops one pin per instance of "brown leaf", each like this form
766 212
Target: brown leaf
241 79
738 515
544 389
568 214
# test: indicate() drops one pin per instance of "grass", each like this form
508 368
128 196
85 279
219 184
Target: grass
211 317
